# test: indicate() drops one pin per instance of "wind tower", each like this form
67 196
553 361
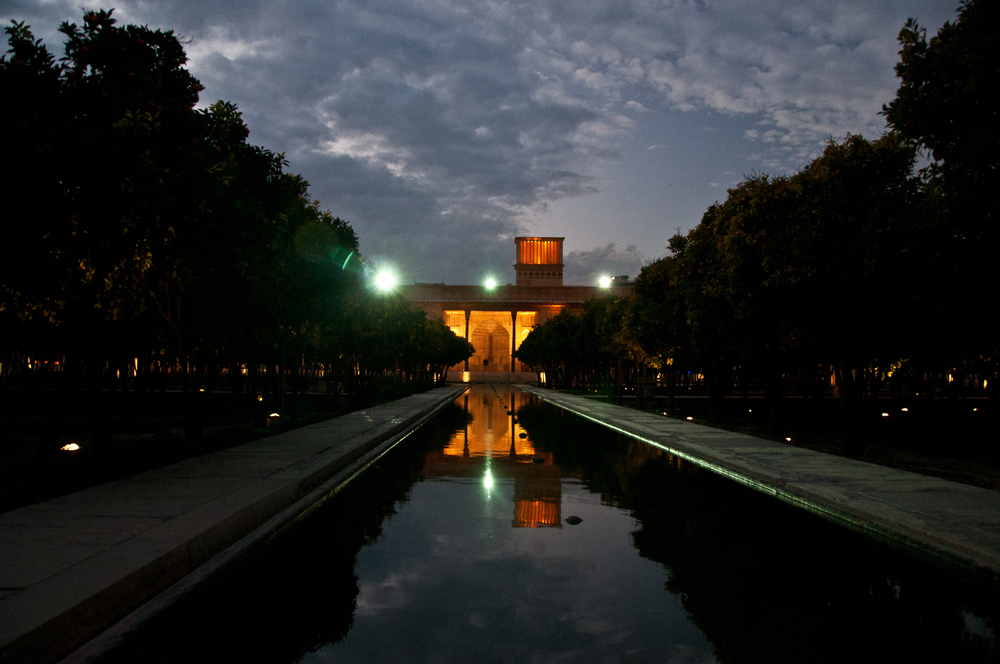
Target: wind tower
539 261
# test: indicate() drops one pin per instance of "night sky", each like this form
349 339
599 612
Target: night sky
442 129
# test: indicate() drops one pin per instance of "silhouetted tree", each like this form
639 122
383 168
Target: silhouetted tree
946 106
155 235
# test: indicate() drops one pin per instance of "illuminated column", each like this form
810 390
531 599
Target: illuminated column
468 315
513 337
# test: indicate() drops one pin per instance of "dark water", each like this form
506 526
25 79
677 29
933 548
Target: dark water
472 543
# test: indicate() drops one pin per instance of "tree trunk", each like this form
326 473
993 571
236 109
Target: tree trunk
618 379
716 391
774 396
671 390
847 384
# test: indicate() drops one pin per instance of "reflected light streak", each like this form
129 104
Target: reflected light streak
344 266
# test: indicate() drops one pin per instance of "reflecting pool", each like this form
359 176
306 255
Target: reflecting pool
508 530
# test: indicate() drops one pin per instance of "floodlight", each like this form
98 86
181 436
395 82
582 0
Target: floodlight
490 283
605 281
385 280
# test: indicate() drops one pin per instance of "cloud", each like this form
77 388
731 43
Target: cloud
437 127
585 267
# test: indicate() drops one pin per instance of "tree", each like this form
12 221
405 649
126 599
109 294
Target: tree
715 335
156 230
946 105
862 247
780 277
101 141
660 320
33 132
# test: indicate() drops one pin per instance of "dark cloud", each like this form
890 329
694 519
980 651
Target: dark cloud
441 129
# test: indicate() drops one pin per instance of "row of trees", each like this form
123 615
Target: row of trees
858 264
144 235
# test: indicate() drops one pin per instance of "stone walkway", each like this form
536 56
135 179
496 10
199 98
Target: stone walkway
72 566
957 522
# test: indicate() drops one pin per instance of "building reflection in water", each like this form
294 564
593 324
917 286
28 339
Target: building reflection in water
493 447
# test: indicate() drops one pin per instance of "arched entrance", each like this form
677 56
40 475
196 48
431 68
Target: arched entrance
492 343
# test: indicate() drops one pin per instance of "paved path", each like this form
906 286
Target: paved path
72 566
946 519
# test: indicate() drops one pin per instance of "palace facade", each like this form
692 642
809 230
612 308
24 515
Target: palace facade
497 320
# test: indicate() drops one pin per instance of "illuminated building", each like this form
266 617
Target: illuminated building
539 261
490 448
497 319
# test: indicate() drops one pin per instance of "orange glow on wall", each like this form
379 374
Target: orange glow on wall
539 250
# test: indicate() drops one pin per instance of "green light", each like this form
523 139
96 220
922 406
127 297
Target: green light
604 281
490 283
344 266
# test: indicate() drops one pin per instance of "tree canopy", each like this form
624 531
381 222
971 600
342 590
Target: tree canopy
946 105
856 265
150 233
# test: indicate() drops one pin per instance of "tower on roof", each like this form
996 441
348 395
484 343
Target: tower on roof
539 261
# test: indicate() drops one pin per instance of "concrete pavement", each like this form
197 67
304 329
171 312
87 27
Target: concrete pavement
72 566
956 522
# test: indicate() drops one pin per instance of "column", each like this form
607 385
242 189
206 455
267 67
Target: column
468 315
513 337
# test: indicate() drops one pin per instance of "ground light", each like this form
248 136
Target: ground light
604 281
489 283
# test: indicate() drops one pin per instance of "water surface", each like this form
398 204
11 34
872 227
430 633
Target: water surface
508 530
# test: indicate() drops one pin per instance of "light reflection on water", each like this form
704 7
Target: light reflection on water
464 544
479 563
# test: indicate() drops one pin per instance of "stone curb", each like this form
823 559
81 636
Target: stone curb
875 515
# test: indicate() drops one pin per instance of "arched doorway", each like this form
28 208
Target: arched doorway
492 343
